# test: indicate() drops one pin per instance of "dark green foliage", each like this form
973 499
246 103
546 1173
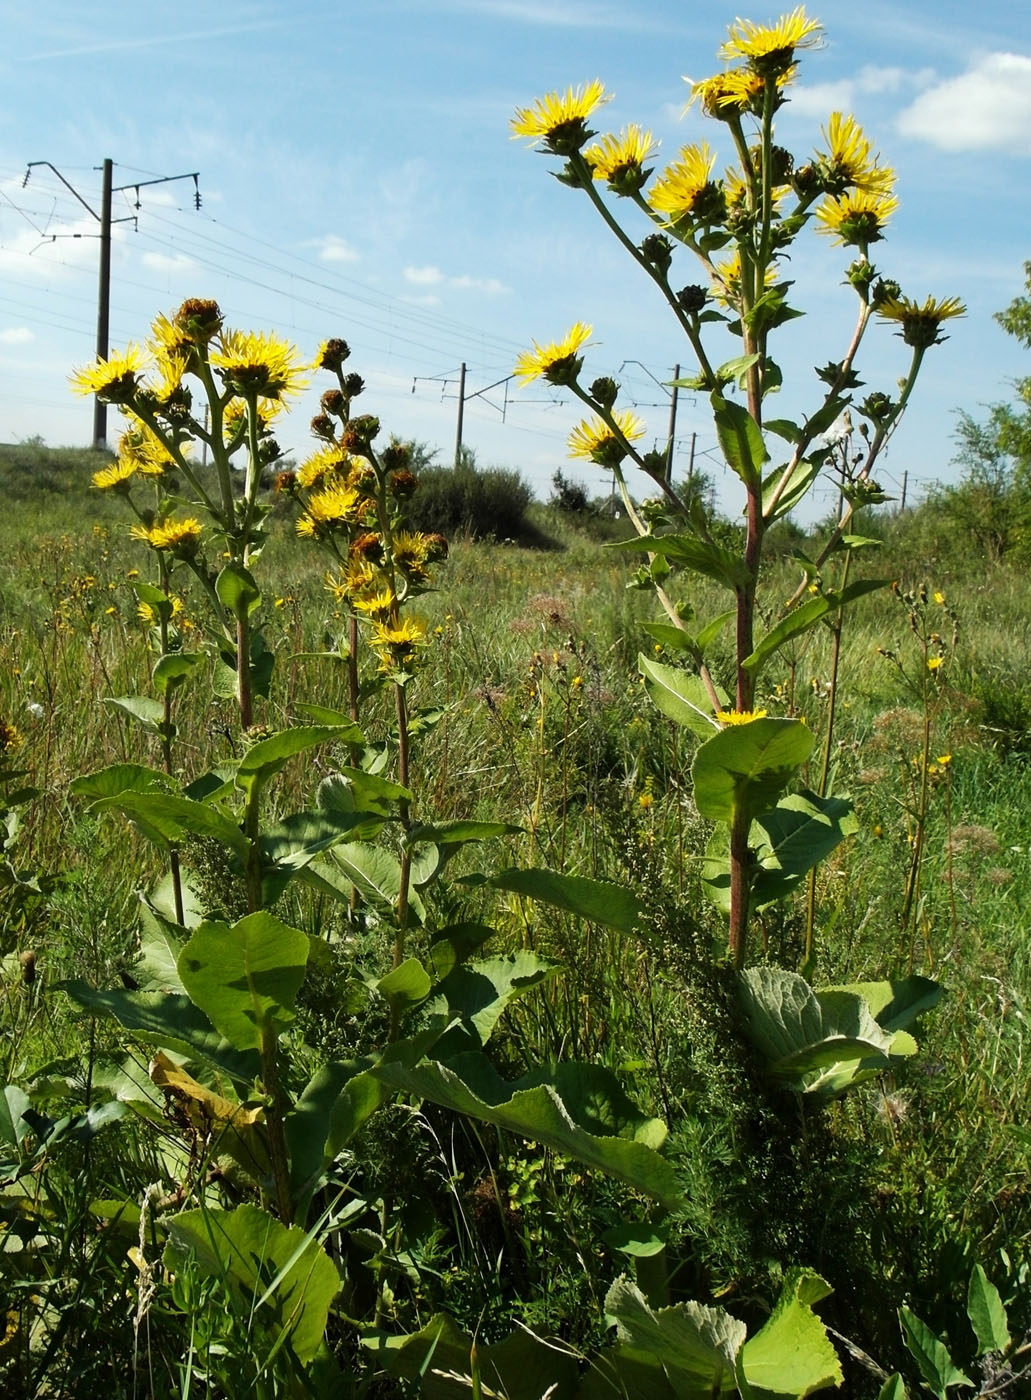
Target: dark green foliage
483 504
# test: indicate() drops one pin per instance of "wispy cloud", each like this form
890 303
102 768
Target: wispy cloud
431 276
333 249
819 99
168 262
986 108
16 335
559 14
150 41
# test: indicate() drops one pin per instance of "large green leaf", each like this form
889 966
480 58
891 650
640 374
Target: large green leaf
278 1271
797 834
160 946
405 986
615 906
898 1003
118 779
802 476
439 1362
690 1349
354 790
148 713
374 872
476 993
172 669
298 838
168 820
245 978
264 759
579 1110
679 695
459 832
792 1356
170 1021
814 1042
931 1355
13 1103
747 766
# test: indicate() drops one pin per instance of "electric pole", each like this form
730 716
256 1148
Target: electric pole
672 424
461 415
104 283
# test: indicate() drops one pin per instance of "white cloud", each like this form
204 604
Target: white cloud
165 262
423 276
431 276
820 99
334 249
16 335
988 107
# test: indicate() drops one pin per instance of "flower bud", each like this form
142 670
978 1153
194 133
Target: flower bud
200 318
657 251
353 385
332 354
322 426
604 391
332 402
692 298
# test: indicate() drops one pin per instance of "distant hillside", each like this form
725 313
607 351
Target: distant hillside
29 470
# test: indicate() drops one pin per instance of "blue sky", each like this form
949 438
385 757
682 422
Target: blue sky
358 179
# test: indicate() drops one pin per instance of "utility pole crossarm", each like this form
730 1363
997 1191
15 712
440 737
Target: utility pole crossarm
105 220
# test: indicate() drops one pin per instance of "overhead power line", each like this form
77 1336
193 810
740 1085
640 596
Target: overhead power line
105 220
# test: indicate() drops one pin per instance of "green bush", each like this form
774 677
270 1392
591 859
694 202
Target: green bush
486 504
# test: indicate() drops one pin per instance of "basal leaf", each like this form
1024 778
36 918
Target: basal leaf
931 1355
279 1272
987 1313
791 1356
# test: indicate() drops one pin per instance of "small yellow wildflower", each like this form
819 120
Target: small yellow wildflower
113 380
560 120
857 218
559 362
939 597
620 159
179 536
255 364
732 717
920 323
685 188
595 441
115 477
770 49
933 662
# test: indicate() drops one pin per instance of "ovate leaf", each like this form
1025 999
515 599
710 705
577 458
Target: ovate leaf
747 766
931 1355
792 1356
245 978
679 695
278 1271
987 1313
599 901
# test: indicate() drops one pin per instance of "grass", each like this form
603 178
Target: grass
893 1192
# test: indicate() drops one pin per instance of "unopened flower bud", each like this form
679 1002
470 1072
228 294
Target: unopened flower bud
692 298
353 385
322 426
332 354
604 391
332 401
657 251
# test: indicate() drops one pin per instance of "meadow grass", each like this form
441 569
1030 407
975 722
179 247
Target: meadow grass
893 1193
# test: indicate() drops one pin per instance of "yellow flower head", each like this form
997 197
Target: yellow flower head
234 417
769 49
558 362
146 452
726 286
933 663
114 380
620 159
258 365
848 162
327 510
115 477
685 190
411 552
9 737
734 92
380 604
326 462
595 441
731 717
560 120
147 613
856 219
920 323
178 536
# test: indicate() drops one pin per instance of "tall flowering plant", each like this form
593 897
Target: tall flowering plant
739 224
